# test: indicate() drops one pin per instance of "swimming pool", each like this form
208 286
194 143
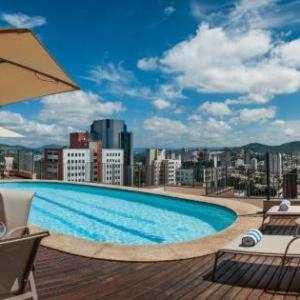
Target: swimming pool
119 216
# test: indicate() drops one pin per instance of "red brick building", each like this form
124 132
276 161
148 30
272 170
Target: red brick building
79 140
53 163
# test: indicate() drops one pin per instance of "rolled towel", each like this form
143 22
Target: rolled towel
251 238
284 205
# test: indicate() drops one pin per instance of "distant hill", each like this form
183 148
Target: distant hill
284 148
6 147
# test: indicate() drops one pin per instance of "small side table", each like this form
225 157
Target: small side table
297 221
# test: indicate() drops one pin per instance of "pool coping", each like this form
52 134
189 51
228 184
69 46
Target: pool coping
246 218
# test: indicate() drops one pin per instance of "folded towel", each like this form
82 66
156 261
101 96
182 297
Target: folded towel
284 205
251 238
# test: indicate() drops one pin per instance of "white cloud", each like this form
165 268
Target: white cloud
21 20
257 114
238 55
212 131
194 117
116 80
169 10
77 108
215 108
161 104
170 91
169 132
35 133
279 123
164 127
109 73
147 64
213 61
288 53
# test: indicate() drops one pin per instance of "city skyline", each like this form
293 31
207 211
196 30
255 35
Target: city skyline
209 82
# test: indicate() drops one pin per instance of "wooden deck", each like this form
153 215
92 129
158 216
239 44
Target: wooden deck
64 276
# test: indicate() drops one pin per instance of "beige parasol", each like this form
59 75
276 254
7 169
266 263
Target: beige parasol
27 70
6 133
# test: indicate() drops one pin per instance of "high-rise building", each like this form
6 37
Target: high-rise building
114 135
112 169
53 158
247 158
253 164
159 169
77 164
275 164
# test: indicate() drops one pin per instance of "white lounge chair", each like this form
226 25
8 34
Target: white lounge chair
292 212
283 246
17 256
14 211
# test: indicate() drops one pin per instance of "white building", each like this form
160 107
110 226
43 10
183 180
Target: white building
239 163
170 167
112 166
77 164
159 169
185 176
253 164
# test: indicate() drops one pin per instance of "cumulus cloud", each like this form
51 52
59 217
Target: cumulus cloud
147 64
35 133
21 20
170 91
239 54
164 127
171 132
247 115
77 108
161 104
215 108
169 10
287 53
214 61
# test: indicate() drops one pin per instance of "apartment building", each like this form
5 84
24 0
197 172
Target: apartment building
185 176
77 165
159 169
53 163
112 166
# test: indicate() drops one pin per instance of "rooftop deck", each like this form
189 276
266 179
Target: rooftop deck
64 276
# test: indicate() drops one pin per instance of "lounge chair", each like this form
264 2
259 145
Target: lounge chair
292 212
283 246
16 260
14 211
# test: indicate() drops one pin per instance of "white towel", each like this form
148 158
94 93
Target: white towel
251 238
284 205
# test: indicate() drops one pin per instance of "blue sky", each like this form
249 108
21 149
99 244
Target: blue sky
180 73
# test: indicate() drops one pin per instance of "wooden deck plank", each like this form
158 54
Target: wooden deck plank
64 276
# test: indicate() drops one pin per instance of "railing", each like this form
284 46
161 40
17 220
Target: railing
194 177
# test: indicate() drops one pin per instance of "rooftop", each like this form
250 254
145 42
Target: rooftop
64 276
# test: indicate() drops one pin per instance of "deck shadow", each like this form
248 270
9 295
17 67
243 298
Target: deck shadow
257 276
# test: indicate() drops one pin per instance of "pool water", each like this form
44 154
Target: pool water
121 217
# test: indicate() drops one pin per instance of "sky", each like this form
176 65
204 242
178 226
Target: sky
179 72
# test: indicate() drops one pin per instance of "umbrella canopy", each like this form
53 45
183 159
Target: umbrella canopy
5 133
27 70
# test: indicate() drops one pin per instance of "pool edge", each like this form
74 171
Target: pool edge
246 218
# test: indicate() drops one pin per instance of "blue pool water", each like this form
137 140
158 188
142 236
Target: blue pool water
122 217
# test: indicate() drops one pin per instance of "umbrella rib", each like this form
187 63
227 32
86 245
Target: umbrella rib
3 60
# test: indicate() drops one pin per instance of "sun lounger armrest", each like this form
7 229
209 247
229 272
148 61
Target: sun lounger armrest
23 229
289 244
